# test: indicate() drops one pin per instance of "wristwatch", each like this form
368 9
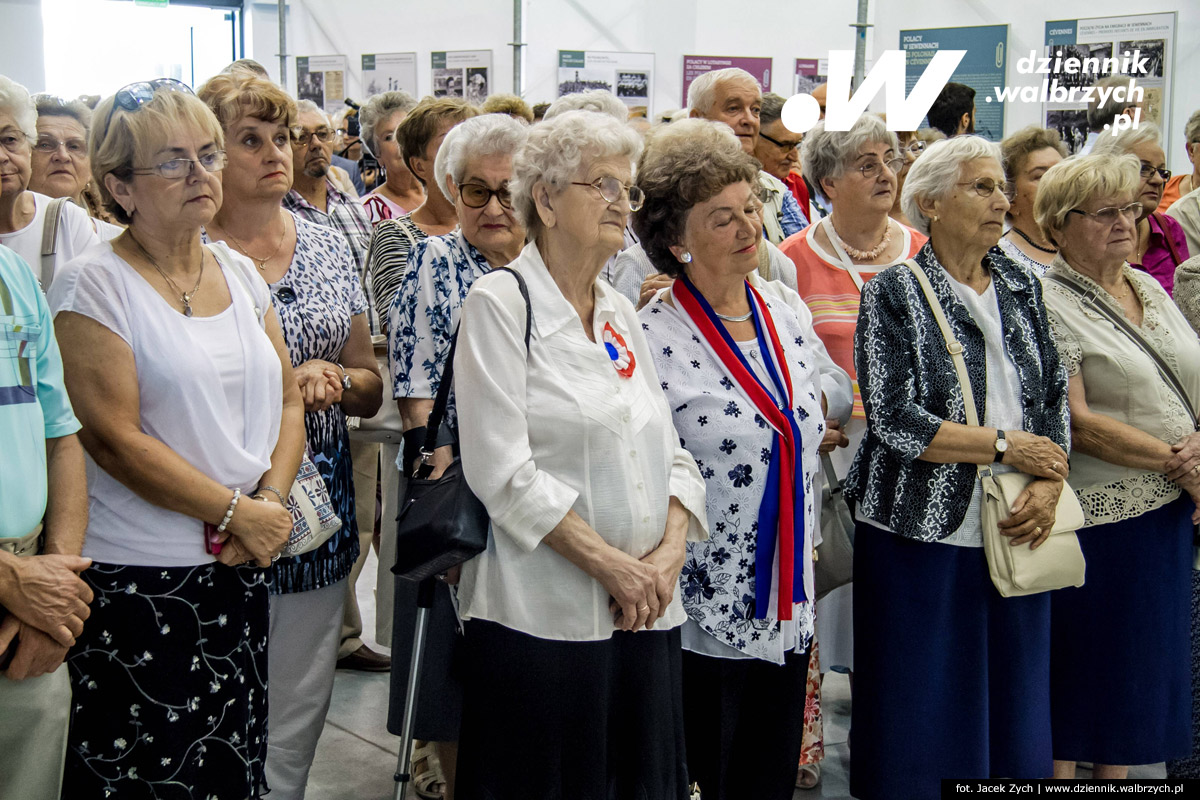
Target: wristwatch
1001 446
345 377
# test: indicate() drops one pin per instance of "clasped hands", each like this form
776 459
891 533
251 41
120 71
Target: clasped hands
1033 512
48 604
1183 467
320 384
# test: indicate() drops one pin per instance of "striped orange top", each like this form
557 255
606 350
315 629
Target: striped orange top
832 295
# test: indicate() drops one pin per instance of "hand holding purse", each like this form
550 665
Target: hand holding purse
1015 571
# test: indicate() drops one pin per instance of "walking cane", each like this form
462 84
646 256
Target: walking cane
425 590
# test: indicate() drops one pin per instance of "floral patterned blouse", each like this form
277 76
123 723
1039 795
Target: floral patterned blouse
731 443
424 312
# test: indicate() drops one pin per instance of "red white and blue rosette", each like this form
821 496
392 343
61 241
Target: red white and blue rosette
620 354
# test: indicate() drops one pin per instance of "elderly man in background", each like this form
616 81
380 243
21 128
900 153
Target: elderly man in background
732 96
314 198
1101 115
778 149
43 492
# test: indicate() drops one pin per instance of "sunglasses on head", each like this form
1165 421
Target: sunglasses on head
136 95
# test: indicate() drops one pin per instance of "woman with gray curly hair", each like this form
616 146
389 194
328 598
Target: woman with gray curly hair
742 369
571 619
400 192
932 634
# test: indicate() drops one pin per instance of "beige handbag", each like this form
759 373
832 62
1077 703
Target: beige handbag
1015 571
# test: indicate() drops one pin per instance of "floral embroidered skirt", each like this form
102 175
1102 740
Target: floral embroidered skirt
169 682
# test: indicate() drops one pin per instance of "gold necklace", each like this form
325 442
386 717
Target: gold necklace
261 263
184 297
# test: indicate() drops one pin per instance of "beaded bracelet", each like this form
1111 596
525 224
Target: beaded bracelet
237 494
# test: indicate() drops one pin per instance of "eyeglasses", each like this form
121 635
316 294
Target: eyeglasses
872 170
785 146
612 189
302 137
1149 169
136 95
179 168
985 187
476 195
1108 216
14 141
915 148
76 148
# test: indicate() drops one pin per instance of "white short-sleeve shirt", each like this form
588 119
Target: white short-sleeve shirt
75 234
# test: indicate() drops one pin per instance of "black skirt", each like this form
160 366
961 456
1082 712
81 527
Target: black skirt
169 681
558 720
440 694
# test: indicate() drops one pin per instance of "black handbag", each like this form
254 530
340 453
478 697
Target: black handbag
442 523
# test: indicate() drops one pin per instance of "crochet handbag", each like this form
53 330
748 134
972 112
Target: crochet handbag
1015 571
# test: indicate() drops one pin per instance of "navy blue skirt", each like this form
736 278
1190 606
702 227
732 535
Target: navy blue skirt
950 678
1120 660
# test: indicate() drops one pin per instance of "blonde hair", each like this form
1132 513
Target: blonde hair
509 104
238 93
1074 181
133 136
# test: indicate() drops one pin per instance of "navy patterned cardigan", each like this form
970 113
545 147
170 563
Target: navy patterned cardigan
909 386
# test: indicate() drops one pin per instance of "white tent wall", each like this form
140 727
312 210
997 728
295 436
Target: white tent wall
21 43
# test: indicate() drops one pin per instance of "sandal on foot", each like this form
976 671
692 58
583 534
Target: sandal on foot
428 781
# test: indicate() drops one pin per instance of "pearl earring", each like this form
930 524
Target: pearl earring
935 218
686 257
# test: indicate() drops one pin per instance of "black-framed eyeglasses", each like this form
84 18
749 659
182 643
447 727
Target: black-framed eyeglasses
302 137
611 190
136 95
1149 169
178 168
48 145
986 187
871 171
785 146
1108 215
476 195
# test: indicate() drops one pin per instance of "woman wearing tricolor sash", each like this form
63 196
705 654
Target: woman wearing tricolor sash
746 379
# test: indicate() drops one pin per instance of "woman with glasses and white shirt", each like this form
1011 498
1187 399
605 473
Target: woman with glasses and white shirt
23 213
177 368
61 167
856 171
1120 657
571 616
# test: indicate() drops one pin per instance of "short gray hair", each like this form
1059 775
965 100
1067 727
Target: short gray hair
702 92
557 148
826 154
600 101
49 105
1126 140
309 107
934 174
771 109
1191 131
378 108
478 137
15 99
1099 115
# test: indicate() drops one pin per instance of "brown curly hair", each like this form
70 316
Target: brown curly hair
684 164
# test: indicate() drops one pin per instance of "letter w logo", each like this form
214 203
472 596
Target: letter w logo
801 112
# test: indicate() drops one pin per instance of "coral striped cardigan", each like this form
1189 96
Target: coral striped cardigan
831 294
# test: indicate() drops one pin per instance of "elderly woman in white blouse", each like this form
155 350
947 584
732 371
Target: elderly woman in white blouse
1120 642
572 617
741 367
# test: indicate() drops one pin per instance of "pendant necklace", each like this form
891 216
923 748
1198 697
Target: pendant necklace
184 297
261 263
1032 243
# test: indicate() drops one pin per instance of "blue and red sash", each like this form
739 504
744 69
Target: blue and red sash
781 512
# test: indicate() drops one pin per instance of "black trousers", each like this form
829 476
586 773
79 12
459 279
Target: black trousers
744 722
554 720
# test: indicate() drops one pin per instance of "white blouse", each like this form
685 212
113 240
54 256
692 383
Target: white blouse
560 430
185 397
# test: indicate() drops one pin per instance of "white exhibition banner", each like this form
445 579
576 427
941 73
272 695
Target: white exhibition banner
627 75
1080 52
462 73
389 72
322 79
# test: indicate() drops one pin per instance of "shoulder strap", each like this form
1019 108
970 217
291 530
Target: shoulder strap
952 344
219 253
847 262
50 225
438 414
1088 296
1166 232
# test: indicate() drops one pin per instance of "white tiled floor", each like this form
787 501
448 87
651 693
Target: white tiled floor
357 756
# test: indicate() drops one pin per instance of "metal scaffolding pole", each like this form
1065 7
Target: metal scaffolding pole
517 44
860 43
282 43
